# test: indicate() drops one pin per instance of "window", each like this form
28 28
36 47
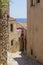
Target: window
11 42
31 2
11 27
38 1
31 51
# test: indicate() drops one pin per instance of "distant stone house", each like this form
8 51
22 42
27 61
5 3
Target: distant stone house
15 29
12 35
22 29
35 29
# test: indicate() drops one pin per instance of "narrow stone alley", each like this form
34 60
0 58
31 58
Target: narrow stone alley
20 58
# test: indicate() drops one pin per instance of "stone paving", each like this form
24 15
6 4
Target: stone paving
19 58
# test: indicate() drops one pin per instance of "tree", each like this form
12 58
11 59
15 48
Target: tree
3 3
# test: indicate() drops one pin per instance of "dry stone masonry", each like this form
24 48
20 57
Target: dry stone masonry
3 40
4 36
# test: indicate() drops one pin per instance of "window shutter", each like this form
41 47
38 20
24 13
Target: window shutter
33 2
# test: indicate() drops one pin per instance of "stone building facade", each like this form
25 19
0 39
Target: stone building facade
14 35
22 36
4 33
35 29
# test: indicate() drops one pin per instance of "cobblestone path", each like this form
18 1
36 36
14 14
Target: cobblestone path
19 58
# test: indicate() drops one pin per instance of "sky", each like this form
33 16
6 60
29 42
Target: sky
18 8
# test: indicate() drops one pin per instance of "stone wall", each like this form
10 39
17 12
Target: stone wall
35 30
3 40
4 36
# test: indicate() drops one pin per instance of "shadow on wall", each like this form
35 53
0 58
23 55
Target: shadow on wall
24 60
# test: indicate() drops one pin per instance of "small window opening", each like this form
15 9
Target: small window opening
11 42
31 2
38 1
31 51
11 27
